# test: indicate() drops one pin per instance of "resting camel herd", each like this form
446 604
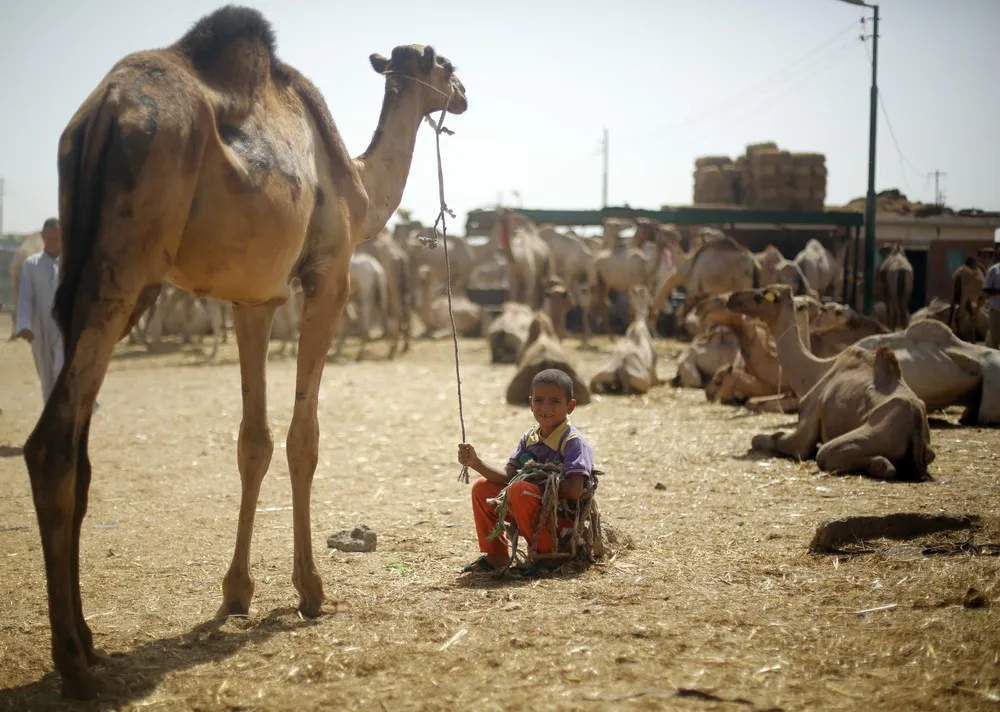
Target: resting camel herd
241 204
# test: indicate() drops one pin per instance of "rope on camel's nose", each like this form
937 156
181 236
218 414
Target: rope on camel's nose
439 129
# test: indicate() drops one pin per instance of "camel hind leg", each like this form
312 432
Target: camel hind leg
59 467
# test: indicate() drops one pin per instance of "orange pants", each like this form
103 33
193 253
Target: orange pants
525 503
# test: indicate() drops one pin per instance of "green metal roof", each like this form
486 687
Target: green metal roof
686 215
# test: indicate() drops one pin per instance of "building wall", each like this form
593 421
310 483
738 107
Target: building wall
947 242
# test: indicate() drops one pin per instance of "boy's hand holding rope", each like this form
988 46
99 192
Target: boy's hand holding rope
439 128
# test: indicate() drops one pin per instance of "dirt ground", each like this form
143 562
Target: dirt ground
718 605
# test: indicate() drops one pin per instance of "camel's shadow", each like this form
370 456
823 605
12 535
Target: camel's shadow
140 671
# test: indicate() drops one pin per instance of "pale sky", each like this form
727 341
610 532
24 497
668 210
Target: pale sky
671 80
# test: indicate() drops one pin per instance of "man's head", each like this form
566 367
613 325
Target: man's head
551 397
52 237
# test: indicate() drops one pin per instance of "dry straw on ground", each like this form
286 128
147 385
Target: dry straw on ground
718 598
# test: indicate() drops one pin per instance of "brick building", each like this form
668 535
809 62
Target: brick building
936 246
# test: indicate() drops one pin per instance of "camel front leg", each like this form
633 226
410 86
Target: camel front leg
855 451
800 444
254 449
320 315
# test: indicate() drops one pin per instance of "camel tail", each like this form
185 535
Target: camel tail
83 173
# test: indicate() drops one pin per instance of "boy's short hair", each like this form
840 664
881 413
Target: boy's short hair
557 378
51 222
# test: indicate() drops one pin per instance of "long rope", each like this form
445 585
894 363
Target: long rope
439 128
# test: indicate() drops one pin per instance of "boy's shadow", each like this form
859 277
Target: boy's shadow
516 579
140 671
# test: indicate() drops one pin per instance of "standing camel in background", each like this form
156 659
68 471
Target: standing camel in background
967 298
528 258
895 274
214 165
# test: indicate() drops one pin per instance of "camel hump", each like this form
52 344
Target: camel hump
887 370
236 45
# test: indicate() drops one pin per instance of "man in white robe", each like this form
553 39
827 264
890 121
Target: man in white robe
34 321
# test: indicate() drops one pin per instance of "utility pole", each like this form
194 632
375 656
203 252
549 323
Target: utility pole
604 181
938 195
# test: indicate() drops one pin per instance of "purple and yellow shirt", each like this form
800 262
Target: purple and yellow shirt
564 446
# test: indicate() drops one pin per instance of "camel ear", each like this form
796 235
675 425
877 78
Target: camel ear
379 63
427 60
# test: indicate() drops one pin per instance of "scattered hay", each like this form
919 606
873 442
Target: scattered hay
831 536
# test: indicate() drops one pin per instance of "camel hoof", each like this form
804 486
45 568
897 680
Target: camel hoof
310 609
880 467
232 608
96 656
83 685
763 442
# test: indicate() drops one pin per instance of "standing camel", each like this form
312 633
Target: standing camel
615 270
967 298
896 276
527 256
214 165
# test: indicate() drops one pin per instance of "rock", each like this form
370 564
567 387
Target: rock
361 538
659 486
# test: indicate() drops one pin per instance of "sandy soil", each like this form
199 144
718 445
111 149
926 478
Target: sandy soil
718 606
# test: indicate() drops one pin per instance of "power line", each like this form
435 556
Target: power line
770 102
575 170
888 123
766 81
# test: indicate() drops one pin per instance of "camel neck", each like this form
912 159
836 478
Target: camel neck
385 165
802 368
761 363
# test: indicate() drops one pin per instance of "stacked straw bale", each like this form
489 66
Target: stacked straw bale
716 180
764 177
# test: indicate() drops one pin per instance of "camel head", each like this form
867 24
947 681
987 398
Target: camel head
764 304
433 75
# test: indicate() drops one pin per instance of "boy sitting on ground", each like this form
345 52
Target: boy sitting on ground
552 440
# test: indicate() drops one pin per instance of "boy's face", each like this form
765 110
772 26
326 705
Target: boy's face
549 405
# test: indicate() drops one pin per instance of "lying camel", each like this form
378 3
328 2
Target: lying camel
939 367
860 416
836 335
434 309
971 327
711 350
509 331
542 350
631 367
